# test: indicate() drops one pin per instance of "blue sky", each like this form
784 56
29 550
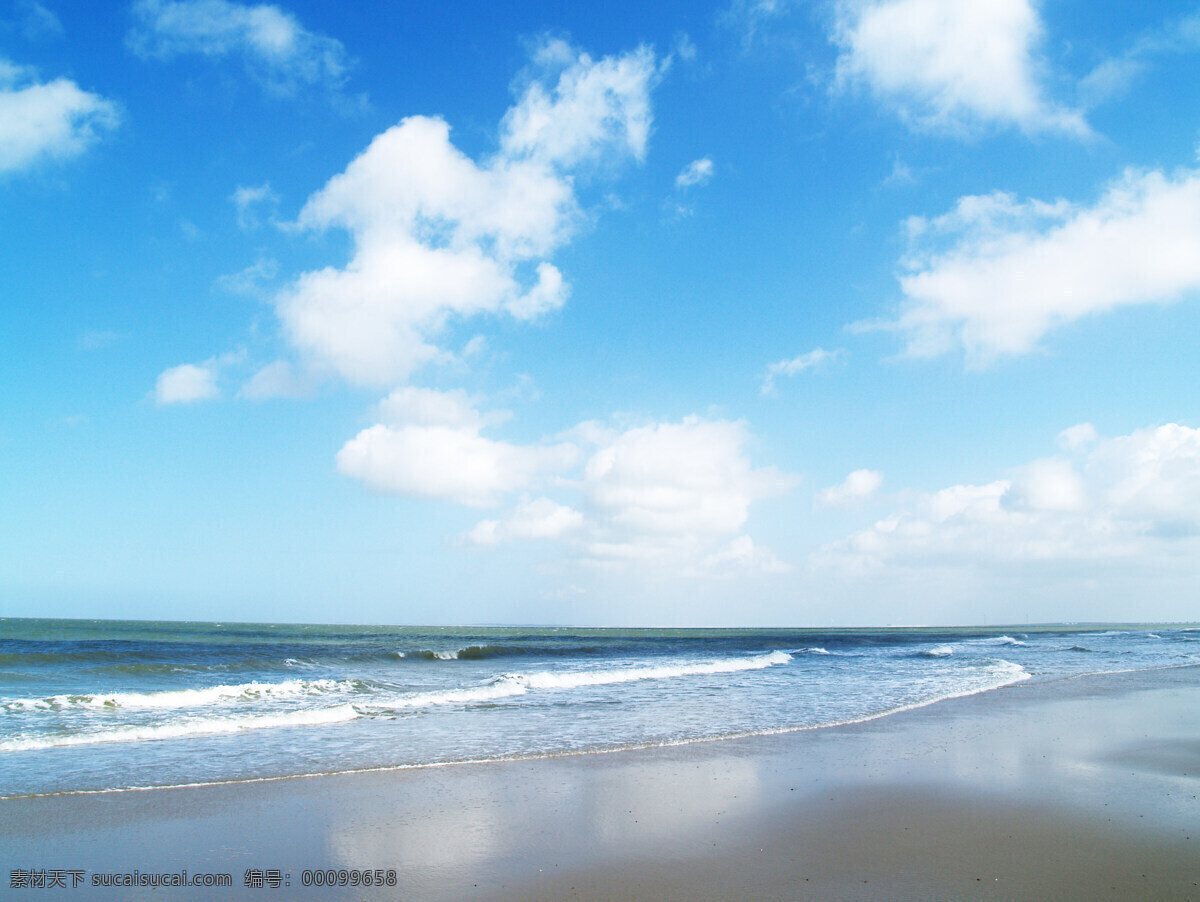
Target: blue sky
850 312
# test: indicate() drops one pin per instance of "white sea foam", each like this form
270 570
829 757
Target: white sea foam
938 651
513 684
199 726
182 698
1001 640
501 688
606 677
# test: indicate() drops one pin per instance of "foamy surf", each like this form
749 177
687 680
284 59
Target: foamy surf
513 684
184 728
183 698
1000 641
938 651
159 706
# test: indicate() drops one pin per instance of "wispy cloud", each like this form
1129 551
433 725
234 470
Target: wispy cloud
36 21
697 172
1114 76
814 359
248 199
252 279
279 52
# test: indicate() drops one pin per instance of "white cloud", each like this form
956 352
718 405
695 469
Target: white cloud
278 51
186 383
1112 77
40 120
671 496
900 175
248 199
750 17
813 359
431 447
593 109
192 382
697 172
438 236
1013 271
949 65
684 47
275 380
1132 500
742 556
857 487
413 406
36 21
456 464
250 280
674 480
537 519
1077 437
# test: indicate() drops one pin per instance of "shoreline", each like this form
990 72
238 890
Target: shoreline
1071 779
570 753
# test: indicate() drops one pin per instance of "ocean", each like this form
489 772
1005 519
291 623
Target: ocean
96 705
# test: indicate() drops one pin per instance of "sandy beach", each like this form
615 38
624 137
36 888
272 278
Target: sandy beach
1081 788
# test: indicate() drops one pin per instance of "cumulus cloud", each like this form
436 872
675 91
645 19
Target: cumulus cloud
673 481
47 120
186 383
813 359
593 108
1077 437
697 172
667 495
1134 498
673 495
440 237
192 382
996 274
430 446
857 487
537 519
742 556
277 50
950 66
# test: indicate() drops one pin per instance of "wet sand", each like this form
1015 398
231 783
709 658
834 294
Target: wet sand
1084 788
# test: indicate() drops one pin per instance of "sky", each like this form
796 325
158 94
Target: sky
746 313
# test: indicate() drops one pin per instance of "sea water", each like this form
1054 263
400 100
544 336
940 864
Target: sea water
99 705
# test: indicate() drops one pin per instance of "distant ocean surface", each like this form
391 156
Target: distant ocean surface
96 705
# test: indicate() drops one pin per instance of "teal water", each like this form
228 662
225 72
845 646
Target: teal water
93 705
